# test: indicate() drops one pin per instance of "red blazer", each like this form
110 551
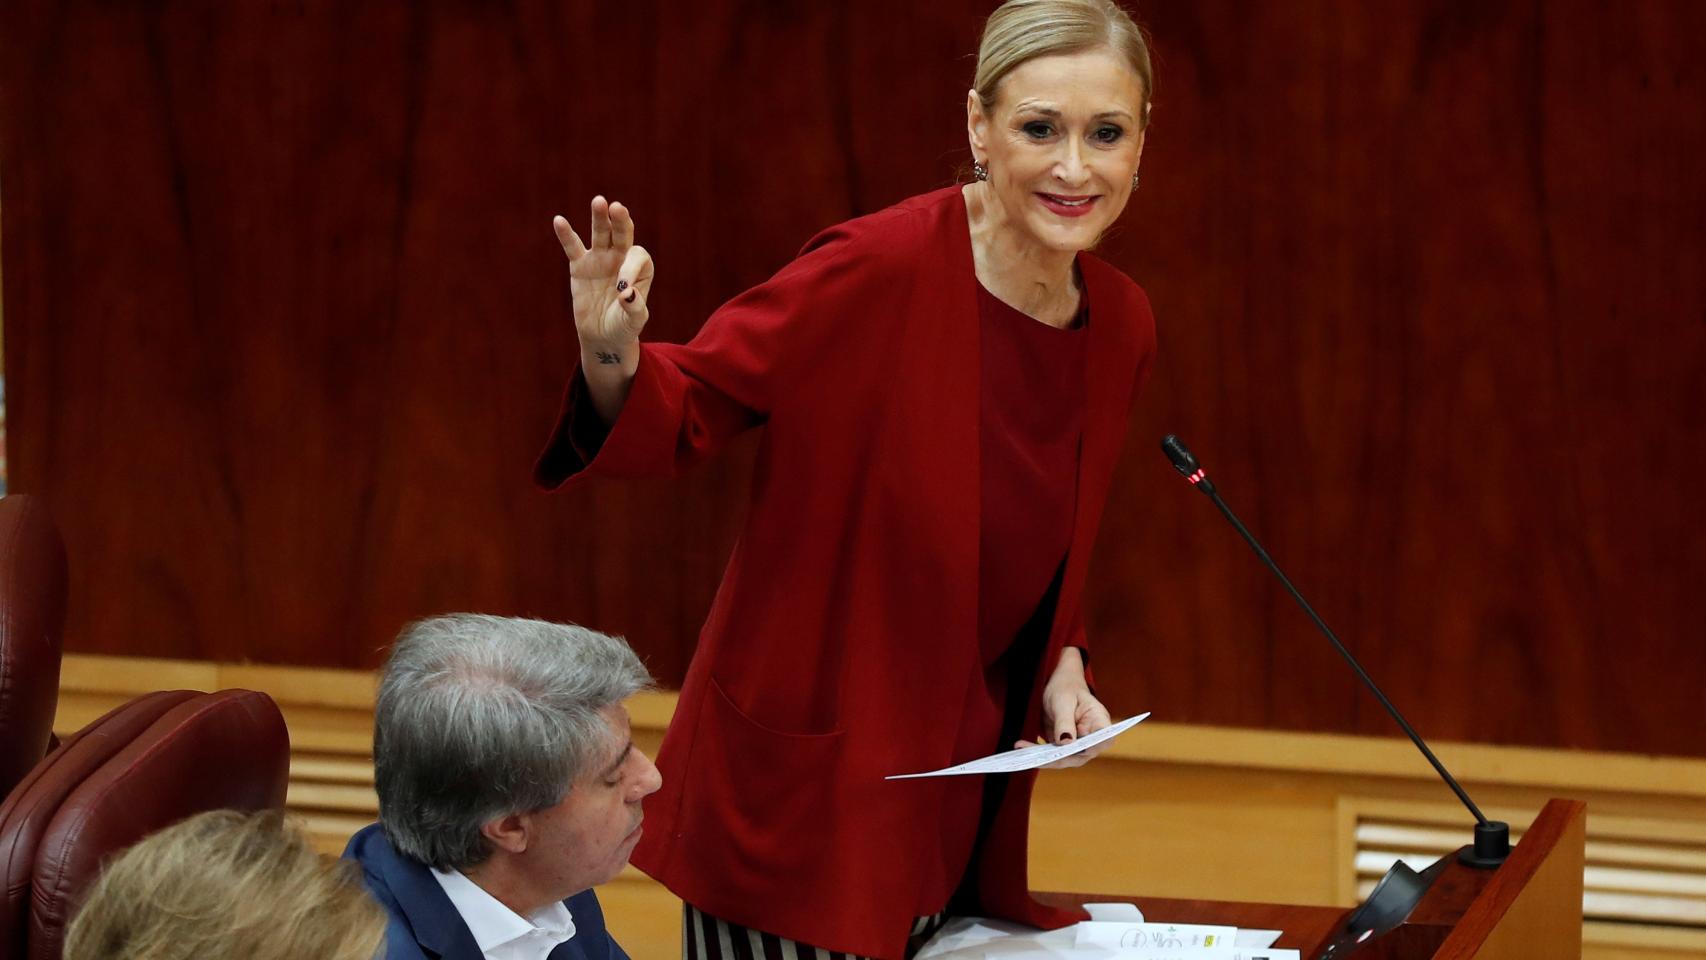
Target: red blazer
840 643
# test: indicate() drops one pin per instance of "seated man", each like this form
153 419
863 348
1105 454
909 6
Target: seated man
508 788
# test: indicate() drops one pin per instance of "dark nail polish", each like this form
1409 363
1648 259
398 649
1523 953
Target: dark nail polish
630 297
621 285
1066 738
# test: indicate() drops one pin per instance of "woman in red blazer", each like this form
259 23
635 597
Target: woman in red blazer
943 389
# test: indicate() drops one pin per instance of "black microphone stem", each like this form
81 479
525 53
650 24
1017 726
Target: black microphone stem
1367 681
1492 837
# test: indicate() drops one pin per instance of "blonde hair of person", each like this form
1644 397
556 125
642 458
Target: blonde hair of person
227 884
1022 30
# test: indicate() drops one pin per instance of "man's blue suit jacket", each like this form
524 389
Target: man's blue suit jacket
425 926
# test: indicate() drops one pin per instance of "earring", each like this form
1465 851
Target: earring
1134 182
979 171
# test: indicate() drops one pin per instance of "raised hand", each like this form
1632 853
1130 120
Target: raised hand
609 282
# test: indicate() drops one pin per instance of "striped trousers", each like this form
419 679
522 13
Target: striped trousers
704 937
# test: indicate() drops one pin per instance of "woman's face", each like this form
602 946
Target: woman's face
1061 144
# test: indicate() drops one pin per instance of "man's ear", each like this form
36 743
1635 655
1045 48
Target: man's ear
509 833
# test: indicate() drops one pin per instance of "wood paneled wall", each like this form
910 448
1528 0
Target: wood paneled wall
285 324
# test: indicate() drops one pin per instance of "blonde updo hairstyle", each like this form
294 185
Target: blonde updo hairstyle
227 884
1023 30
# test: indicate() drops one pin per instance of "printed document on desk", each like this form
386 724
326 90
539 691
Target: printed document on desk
973 938
1029 758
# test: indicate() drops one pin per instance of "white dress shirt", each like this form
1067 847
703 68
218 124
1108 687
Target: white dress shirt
502 933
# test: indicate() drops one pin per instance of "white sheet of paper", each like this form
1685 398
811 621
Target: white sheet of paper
1122 913
1156 938
975 938
1207 953
1255 938
1029 758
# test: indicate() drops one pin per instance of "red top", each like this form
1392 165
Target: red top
1031 419
845 633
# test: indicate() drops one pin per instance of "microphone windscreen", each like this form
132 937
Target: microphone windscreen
1179 454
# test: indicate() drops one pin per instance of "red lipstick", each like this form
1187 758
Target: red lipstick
1067 206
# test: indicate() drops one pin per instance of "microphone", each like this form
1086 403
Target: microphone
1397 893
1492 837
1186 464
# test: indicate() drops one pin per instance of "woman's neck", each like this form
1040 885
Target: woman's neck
1038 281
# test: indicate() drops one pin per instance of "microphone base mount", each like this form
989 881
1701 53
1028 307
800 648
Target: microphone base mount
1492 845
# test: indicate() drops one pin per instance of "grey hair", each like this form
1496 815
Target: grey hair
481 717
1023 30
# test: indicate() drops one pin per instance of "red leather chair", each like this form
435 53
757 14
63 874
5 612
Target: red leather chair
32 614
102 790
25 815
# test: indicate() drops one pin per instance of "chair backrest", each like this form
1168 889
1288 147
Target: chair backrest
226 750
32 614
26 813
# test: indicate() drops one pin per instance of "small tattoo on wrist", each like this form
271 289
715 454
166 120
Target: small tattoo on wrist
606 357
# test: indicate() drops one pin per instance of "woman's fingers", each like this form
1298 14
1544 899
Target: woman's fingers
632 283
1070 712
600 223
633 303
1089 716
622 226
612 228
1063 714
611 276
1064 763
636 270
573 248
1092 715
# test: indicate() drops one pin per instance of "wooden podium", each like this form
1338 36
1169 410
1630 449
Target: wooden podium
1529 907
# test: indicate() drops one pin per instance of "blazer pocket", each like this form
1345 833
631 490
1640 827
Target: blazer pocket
758 797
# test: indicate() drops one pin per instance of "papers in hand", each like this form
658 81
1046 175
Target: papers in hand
1029 758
